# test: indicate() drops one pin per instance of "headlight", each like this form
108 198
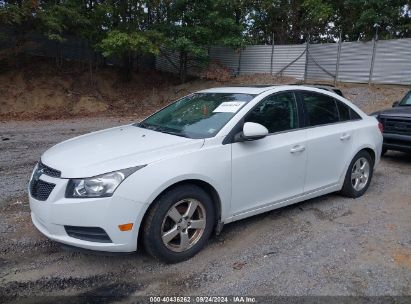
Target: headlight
99 186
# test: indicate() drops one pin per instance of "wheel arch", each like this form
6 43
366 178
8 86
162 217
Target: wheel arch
371 152
215 197
366 148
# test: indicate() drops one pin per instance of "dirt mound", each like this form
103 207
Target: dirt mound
40 89
43 90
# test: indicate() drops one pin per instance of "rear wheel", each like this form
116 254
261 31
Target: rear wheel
179 224
358 176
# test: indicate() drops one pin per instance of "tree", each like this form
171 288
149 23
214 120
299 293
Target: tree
356 18
292 21
289 21
18 19
192 26
124 45
127 31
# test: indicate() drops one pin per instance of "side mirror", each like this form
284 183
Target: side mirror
251 131
396 103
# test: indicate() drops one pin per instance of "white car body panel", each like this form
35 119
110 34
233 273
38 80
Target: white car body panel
325 145
109 150
248 177
255 185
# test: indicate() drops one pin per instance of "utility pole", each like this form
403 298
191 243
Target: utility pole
239 63
306 58
272 54
337 65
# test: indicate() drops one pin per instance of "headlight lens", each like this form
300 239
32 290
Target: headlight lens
99 186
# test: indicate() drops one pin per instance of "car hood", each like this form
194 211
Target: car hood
401 111
114 149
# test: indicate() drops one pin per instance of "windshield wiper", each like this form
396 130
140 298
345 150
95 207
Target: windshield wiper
168 131
160 129
146 126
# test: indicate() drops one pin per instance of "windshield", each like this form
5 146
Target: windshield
200 115
406 101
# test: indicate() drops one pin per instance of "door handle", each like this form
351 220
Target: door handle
345 136
297 148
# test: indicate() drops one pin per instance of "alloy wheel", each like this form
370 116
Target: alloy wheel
183 225
360 174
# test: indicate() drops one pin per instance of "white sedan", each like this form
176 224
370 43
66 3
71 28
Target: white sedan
210 158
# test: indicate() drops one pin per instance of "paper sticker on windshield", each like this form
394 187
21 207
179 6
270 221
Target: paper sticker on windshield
229 107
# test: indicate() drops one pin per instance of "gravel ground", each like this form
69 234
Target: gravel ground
330 245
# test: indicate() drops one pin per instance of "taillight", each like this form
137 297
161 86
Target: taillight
381 127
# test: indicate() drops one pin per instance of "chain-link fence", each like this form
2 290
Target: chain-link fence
71 48
384 61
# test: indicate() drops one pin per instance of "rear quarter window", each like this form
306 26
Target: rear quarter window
344 111
354 115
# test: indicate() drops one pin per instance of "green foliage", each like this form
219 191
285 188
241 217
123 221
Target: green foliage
292 21
317 15
19 18
117 43
17 13
58 20
356 18
191 27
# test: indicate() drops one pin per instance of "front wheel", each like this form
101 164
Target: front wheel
179 224
358 176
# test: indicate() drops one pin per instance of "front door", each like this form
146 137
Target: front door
271 169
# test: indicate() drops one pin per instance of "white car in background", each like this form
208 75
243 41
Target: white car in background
210 158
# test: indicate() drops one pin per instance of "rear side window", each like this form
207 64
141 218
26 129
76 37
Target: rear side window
277 113
321 109
346 113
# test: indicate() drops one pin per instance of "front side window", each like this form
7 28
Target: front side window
321 109
277 113
200 115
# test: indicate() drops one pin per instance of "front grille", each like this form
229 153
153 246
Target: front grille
91 234
397 126
48 171
40 189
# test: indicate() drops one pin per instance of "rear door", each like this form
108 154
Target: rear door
330 136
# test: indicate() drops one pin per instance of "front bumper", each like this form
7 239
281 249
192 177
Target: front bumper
397 142
50 217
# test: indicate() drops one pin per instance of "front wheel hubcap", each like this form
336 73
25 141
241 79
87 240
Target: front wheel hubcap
360 174
184 225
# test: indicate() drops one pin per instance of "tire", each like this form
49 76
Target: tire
356 185
181 240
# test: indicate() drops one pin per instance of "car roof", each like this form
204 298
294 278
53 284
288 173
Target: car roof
249 89
261 88
327 88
